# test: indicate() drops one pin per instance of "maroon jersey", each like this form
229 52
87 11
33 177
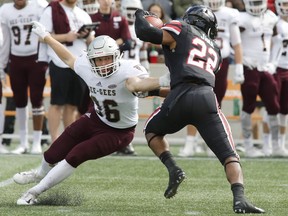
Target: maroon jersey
114 25
196 57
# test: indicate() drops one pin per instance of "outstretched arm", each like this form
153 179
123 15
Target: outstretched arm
147 84
62 52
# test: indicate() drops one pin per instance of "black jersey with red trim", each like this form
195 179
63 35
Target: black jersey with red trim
196 58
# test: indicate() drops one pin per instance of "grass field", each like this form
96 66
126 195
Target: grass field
128 186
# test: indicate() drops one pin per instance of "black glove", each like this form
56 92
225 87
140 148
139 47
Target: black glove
142 13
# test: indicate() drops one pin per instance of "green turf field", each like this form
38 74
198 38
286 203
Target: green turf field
127 186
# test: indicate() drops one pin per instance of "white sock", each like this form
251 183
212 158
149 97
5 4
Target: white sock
37 138
266 140
44 168
282 139
56 175
189 142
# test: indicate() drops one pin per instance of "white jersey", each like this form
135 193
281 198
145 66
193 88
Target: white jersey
282 29
115 105
226 19
136 44
256 38
18 21
77 17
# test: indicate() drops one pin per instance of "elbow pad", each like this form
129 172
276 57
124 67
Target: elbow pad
145 31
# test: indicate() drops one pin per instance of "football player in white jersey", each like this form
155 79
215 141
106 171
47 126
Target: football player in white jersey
228 35
107 127
21 49
282 70
260 43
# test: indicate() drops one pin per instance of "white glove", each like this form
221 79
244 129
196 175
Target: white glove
268 67
238 74
39 30
164 80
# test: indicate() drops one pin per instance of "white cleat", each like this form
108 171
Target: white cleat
267 151
279 152
27 199
254 153
27 177
4 150
36 150
19 150
186 152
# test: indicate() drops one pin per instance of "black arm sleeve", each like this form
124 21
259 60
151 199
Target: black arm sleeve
144 31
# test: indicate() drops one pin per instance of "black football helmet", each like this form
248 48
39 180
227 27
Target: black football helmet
202 17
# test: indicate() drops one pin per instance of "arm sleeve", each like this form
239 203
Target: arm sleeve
144 31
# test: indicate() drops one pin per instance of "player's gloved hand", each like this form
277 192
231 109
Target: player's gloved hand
39 30
164 80
141 94
238 74
268 67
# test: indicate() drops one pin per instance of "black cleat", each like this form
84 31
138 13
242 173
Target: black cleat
176 176
242 206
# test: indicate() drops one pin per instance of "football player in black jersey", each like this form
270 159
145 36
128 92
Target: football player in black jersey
193 60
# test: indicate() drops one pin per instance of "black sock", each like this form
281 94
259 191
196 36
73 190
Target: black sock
167 159
237 190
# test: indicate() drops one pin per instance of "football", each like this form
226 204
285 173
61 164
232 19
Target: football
154 21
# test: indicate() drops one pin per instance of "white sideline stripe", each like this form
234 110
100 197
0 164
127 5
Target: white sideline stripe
6 182
137 139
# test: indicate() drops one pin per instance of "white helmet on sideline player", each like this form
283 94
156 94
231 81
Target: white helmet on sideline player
214 4
90 6
129 7
104 46
255 7
281 7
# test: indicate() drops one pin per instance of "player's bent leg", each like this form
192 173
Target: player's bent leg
160 147
234 175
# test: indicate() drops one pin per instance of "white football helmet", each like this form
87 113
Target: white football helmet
90 6
104 46
214 4
255 7
128 8
281 7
